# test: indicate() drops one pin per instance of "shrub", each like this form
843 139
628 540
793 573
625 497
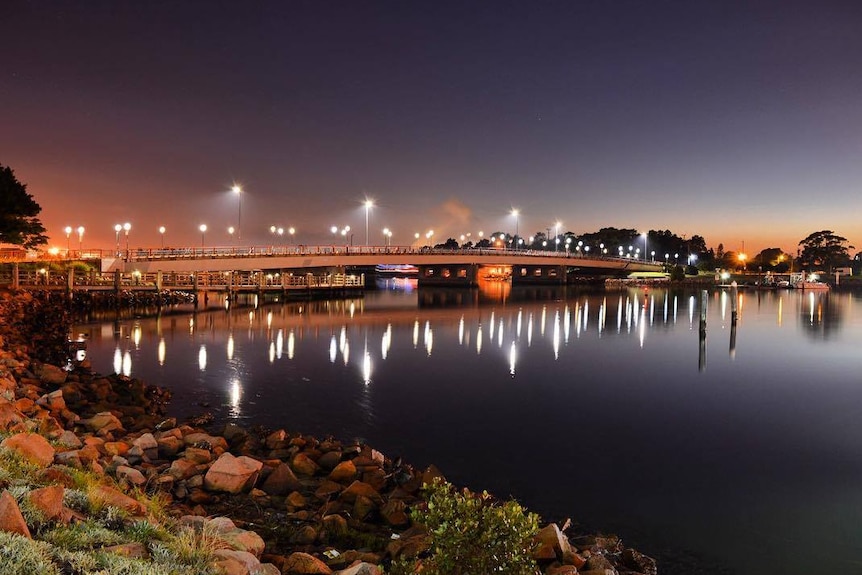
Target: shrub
473 535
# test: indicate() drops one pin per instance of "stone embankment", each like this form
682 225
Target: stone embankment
278 502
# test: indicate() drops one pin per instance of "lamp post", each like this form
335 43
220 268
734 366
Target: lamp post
126 227
230 231
118 228
162 234
238 191
203 229
557 236
291 231
645 246
68 230
516 213
387 237
80 239
368 204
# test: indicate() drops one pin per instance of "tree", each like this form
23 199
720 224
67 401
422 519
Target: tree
773 259
824 249
18 210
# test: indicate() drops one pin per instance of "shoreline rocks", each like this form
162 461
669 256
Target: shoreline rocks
281 502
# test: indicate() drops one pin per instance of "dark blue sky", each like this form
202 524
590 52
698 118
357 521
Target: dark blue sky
740 121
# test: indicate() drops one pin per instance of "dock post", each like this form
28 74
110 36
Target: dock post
15 279
70 281
701 358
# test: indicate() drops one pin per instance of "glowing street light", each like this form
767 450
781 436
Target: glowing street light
644 234
162 233
126 227
557 236
387 237
80 239
291 231
203 229
368 206
238 191
516 213
118 228
68 230
230 231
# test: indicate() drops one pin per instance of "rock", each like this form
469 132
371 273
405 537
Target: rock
131 475
103 423
215 443
146 441
344 472
50 374
236 538
9 415
116 498
48 500
303 465
327 489
305 535
32 447
394 512
562 570
330 460
360 568
281 481
197 455
358 488
11 520
232 474
552 543
182 469
296 501
335 524
53 401
69 439
639 562
598 562
234 562
304 564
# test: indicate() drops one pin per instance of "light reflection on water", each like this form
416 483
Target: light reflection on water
608 406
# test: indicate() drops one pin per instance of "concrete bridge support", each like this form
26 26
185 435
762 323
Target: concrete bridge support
538 274
461 275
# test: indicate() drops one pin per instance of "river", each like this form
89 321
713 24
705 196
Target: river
741 452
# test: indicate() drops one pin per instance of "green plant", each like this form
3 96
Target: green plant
473 535
19 554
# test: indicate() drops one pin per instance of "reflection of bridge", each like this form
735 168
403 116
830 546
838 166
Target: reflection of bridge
307 266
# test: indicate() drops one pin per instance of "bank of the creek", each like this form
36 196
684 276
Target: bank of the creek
297 504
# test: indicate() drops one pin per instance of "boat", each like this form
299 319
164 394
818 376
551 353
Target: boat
812 285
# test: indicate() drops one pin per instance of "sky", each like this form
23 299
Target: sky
737 121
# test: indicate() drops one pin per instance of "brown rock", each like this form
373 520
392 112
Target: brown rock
335 524
48 500
103 423
11 520
363 507
394 512
327 489
360 568
9 416
305 535
639 562
296 501
329 460
562 570
552 543
33 447
303 465
281 481
130 475
50 374
358 488
344 472
131 550
233 562
197 455
304 564
232 474
116 498
182 469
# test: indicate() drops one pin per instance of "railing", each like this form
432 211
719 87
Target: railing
219 281
189 253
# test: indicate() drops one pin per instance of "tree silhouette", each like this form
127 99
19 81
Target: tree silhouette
18 210
824 249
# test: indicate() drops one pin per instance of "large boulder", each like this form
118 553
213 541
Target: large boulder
232 474
11 519
50 374
281 481
48 500
304 564
32 447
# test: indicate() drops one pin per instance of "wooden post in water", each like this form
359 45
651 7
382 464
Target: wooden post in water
70 281
734 315
701 358
15 272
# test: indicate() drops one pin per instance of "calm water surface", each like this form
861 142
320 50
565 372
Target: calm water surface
745 448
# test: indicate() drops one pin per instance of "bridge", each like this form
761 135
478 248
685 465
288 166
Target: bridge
321 267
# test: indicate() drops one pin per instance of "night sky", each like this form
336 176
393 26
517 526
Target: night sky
738 121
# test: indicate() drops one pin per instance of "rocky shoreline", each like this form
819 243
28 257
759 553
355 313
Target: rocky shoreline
280 502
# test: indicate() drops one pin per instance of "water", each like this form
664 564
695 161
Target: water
744 449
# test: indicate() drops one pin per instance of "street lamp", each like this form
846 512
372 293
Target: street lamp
556 236
68 230
238 191
645 246
291 230
516 213
80 239
118 228
368 205
162 233
387 237
230 231
203 229
126 227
